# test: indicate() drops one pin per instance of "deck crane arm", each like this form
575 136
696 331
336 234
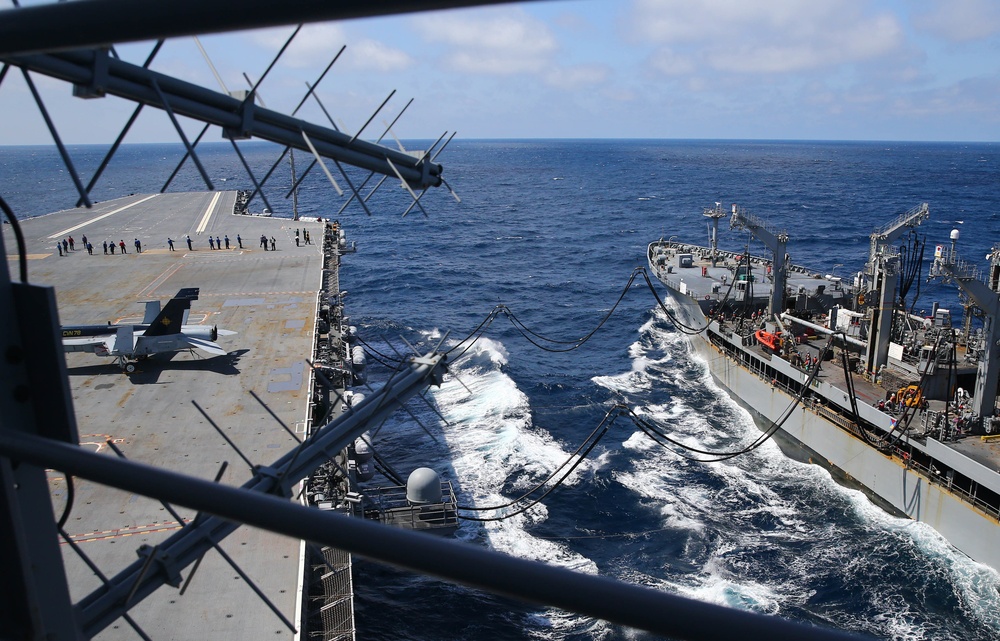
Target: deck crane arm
891 232
985 295
777 242
882 275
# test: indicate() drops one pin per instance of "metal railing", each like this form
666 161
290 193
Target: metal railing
393 506
932 475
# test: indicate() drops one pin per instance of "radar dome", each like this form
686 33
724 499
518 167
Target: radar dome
362 450
423 487
954 234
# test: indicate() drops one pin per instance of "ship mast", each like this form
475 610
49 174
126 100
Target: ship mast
883 270
986 296
714 215
777 242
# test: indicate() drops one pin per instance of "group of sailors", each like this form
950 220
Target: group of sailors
68 244
896 403
806 362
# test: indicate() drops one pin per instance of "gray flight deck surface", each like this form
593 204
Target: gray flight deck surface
270 300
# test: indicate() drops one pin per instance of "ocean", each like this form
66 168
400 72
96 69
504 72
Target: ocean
552 231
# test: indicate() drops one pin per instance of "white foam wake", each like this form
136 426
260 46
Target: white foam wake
763 505
494 445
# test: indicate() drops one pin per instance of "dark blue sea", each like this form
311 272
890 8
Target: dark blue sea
553 231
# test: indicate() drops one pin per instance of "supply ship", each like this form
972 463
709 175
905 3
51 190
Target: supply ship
841 374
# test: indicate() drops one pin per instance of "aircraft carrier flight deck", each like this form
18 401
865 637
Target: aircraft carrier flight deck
271 299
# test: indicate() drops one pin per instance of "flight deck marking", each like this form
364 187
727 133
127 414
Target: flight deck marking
294 382
101 217
208 213
159 280
255 301
99 445
103 535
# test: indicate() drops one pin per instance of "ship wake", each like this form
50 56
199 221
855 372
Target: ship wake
765 533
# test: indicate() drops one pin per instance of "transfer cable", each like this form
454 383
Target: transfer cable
656 434
477 333
651 430
608 419
855 416
587 446
537 339
648 428
530 335
682 327
909 412
22 252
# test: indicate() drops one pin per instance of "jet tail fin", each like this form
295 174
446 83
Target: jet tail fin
172 316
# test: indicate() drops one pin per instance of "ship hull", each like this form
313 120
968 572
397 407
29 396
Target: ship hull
806 435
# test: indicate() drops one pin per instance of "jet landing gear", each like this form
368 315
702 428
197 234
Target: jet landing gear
127 366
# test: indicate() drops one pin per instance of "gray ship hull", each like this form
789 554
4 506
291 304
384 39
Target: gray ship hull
808 435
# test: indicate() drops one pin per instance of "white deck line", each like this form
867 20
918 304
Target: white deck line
101 217
208 213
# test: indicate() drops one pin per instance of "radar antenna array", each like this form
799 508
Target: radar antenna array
241 115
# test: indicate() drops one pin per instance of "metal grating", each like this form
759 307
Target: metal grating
332 597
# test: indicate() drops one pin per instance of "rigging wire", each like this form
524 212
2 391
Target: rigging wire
530 335
536 338
587 446
68 508
907 416
376 355
22 252
649 429
682 327
656 434
526 500
558 476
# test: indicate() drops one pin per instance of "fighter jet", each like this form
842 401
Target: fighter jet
161 331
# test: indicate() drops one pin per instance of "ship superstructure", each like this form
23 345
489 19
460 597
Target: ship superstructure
898 404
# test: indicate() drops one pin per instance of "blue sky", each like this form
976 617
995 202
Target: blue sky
780 69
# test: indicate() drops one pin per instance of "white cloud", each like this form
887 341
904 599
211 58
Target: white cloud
316 44
774 37
501 41
670 63
577 77
959 20
376 56
969 99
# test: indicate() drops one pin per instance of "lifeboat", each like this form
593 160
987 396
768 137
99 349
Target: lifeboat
769 340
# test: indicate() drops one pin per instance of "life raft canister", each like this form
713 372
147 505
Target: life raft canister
768 339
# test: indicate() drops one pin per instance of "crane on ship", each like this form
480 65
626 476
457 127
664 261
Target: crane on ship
882 274
986 295
777 242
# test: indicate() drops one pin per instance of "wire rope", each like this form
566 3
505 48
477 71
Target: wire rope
22 252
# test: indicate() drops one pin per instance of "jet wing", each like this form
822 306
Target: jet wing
100 345
205 346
